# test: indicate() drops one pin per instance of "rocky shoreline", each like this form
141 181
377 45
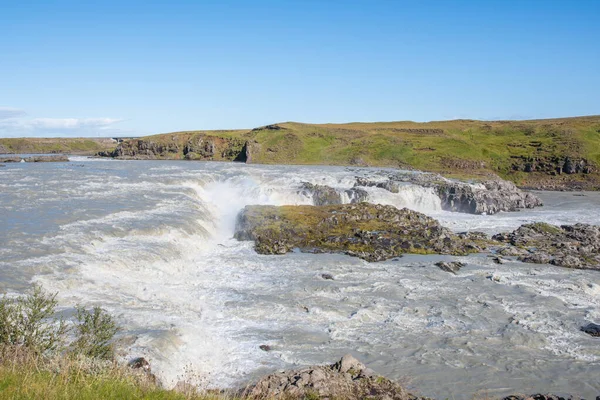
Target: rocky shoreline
347 379
34 159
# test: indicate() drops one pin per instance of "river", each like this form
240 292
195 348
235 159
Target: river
151 242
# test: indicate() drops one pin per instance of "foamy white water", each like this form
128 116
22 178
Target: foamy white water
151 241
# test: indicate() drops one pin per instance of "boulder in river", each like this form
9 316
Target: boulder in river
538 396
451 266
571 246
321 194
346 379
591 329
372 232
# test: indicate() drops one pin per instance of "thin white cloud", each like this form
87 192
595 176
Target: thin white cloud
14 124
66 123
10 112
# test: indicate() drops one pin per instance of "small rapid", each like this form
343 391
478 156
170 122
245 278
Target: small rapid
151 241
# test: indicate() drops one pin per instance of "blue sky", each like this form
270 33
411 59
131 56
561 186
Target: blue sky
75 68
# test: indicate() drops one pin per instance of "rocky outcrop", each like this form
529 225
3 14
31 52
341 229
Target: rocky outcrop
489 197
57 158
553 165
591 329
371 232
452 266
53 158
538 396
4 150
10 159
570 246
142 149
197 147
321 194
389 185
346 379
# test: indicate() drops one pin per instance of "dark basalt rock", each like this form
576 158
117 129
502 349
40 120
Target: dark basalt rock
139 363
357 195
553 165
142 365
371 232
570 246
538 397
346 379
452 266
321 194
388 185
591 329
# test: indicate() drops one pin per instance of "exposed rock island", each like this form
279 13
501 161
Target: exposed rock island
370 231
378 232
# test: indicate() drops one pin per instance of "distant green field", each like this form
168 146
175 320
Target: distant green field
55 145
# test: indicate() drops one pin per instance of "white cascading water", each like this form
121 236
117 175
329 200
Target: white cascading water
152 243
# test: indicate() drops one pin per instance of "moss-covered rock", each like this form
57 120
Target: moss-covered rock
570 246
370 231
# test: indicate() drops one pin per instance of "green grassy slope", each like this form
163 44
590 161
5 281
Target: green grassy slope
526 152
466 148
55 145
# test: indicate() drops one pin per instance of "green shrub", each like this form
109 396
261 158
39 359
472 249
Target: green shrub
95 331
29 321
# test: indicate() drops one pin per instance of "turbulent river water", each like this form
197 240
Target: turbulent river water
151 242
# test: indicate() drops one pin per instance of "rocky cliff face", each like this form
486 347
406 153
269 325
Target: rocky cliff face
197 147
142 149
553 165
488 197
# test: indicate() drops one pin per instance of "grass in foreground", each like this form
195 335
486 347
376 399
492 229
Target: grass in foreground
43 356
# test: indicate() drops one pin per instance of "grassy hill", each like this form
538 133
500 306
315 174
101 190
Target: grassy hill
550 153
531 153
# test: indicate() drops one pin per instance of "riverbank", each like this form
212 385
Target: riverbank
549 154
